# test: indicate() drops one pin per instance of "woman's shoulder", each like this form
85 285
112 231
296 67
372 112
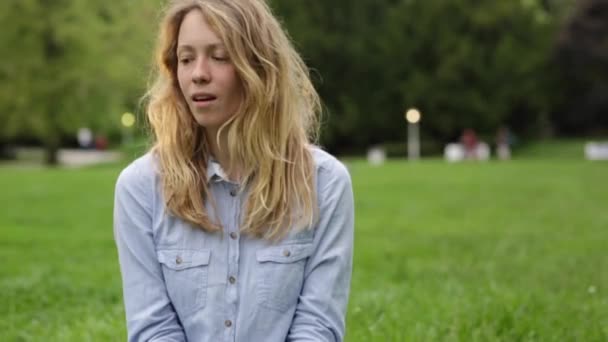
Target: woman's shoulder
329 169
139 172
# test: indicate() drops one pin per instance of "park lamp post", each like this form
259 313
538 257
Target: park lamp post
127 120
413 116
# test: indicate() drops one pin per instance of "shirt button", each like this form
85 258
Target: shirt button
178 260
232 280
233 192
233 236
228 323
286 253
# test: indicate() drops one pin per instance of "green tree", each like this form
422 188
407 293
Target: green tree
582 54
70 63
464 63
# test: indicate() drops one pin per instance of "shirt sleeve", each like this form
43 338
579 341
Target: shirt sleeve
321 310
149 312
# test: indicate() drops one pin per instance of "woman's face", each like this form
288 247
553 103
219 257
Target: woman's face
206 75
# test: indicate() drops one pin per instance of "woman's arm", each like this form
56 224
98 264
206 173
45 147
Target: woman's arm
150 314
321 309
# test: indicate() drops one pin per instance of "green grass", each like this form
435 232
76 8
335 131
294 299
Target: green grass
467 252
573 149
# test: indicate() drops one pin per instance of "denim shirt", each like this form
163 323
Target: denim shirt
183 284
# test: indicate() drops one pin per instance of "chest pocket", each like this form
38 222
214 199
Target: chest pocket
186 272
280 274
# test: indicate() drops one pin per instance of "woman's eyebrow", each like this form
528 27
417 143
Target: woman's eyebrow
184 48
190 48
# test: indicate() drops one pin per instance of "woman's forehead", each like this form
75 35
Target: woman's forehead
195 32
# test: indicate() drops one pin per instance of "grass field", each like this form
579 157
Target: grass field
470 252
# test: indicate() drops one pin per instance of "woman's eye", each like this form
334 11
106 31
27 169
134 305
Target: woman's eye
185 60
220 58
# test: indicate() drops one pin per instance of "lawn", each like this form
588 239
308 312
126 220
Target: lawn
469 252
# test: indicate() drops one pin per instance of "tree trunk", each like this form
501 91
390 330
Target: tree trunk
51 152
53 51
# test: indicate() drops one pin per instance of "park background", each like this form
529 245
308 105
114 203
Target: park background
493 251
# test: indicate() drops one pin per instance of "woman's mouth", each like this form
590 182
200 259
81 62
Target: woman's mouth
203 100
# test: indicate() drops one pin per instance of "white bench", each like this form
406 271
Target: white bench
596 150
455 152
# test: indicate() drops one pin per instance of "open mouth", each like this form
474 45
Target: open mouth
203 98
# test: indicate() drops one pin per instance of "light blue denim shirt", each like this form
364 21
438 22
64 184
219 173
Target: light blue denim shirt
183 284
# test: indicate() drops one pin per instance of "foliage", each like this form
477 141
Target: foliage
582 53
464 63
70 63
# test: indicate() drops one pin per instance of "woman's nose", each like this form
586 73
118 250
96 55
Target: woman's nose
201 72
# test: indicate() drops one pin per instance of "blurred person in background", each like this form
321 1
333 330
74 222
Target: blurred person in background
233 227
469 144
503 143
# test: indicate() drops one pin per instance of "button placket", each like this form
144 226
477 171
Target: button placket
233 207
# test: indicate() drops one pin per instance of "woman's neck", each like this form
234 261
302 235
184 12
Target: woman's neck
221 155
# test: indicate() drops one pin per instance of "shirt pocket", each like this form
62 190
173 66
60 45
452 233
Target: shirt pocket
185 272
281 274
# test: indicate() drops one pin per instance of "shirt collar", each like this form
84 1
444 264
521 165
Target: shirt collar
215 173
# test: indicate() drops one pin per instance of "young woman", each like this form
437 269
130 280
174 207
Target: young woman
233 227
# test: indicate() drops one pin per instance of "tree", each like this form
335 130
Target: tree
582 54
464 63
71 63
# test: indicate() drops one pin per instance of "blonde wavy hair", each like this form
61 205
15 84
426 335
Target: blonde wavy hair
268 139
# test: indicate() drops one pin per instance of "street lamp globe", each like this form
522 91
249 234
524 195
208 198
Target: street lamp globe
413 115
